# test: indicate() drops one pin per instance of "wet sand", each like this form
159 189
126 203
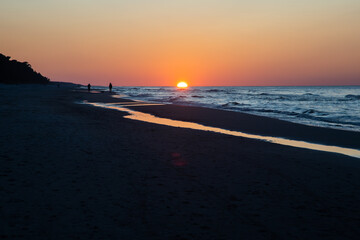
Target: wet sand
72 171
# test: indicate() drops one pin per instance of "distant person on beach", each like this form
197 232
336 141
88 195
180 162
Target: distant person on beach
89 86
110 87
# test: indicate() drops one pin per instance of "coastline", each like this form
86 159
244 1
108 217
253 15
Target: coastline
247 123
327 107
254 124
74 170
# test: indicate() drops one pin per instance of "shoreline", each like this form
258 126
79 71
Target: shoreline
254 124
311 115
250 123
149 118
75 171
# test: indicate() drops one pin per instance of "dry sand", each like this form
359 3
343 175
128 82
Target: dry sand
72 171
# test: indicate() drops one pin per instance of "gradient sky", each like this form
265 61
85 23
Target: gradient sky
205 42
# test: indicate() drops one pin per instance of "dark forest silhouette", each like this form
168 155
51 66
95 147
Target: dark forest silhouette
14 72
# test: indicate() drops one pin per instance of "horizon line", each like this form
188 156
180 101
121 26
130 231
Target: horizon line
350 85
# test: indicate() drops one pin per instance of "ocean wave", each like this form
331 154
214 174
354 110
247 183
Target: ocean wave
273 111
309 94
342 120
313 111
309 114
175 99
322 107
301 98
195 90
215 90
230 104
141 95
353 97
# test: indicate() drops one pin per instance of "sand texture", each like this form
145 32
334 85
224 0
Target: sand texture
73 171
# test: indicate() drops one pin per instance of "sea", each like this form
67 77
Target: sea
325 106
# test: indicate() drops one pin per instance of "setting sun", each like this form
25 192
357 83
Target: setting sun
182 85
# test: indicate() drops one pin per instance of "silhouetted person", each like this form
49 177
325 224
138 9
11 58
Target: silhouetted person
89 86
110 87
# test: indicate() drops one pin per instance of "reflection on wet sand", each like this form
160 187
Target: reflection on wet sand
145 117
134 104
119 96
145 104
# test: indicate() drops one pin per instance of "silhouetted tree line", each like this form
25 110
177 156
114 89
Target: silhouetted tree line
13 72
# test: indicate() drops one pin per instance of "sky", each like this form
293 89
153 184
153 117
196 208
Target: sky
203 42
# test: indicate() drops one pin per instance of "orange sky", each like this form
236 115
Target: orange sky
206 42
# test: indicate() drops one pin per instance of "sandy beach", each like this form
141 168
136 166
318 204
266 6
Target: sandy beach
74 171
